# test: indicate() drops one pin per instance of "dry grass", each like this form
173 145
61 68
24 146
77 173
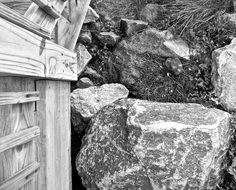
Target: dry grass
191 14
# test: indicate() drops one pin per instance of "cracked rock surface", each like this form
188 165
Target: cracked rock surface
224 75
135 144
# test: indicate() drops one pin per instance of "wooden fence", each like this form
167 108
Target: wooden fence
37 63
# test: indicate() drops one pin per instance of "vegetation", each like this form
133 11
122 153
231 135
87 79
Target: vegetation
202 24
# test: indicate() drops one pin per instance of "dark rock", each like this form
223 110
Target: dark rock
91 16
95 27
135 144
129 27
224 75
109 38
91 72
142 55
174 65
84 83
85 37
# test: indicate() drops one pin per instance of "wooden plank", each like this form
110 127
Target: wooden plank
48 8
20 178
18 97
68 32
54 121
38 15
26 54
19 138
18 19
14 119
19 6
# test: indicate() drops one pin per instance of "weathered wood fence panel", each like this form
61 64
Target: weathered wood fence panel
14 120
35 130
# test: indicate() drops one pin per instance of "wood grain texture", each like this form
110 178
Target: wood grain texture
37 14
53 113
14 119
48 8
20 6
19 138
68 32
18 97
20 178
26 54
20 20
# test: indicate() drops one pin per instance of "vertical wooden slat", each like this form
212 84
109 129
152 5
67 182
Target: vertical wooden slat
14 118
53 110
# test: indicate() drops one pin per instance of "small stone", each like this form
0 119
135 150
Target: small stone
174 65
129 27
153 13
95 27
84 82
91 16
109 38
85 103
85 37
83 58
224 75
91 72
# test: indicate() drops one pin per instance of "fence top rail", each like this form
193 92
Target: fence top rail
18 19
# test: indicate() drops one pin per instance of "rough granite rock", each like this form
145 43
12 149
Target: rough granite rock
144 49
135 144
224 75
83 58
129 27
91 16
85 103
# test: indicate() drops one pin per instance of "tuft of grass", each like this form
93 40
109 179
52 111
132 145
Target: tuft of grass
190 14
201 23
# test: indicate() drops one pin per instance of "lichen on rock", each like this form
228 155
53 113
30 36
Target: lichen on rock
136 144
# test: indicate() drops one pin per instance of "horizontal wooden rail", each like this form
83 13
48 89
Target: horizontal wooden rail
68 32
48 8
25 54
19 138
39 15
23 22
20 178
7 98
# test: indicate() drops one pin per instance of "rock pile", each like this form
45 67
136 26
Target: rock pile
139 144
